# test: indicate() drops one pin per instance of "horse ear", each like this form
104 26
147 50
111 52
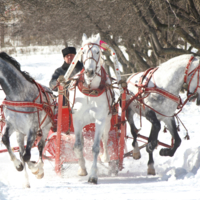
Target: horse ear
98 38
84 37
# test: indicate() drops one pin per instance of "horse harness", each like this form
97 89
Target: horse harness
103 87
86 90
46 106
144 90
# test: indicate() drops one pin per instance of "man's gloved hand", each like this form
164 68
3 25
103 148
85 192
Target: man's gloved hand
61 79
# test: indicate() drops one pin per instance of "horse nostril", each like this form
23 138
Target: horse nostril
89 73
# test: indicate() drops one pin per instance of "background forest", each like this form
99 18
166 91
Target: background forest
149 31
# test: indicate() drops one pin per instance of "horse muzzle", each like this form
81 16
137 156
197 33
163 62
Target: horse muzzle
89 73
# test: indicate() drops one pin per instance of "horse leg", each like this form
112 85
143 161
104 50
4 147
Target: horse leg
171 125
40 162
105 157
152 141
6 142
20 140
136 150
30 141
151 169
95 150
37 167
78 149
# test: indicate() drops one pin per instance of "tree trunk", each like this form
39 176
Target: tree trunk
2 35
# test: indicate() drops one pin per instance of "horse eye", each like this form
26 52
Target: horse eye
98 52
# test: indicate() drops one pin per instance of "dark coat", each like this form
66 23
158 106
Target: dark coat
61 71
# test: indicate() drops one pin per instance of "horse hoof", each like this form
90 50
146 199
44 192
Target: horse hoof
92 180
35 172
82 172
20 167
137 155
40 176
151 170
166 152
104 158
27 185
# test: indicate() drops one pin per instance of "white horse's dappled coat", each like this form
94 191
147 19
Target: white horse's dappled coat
170 77
88 109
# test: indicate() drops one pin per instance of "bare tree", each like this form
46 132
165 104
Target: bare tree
143 33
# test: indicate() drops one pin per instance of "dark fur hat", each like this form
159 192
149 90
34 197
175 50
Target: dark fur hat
68 50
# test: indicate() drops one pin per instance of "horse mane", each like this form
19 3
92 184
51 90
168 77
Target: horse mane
12 61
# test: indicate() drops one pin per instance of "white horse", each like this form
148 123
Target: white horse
91 103
154 104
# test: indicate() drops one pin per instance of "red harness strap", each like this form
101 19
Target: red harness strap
163 93
22 104
187 69
142 88
46 106
93 92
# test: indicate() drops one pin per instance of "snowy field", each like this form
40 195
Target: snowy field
177 177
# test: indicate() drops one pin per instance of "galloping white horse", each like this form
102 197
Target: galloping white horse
91 101
160 99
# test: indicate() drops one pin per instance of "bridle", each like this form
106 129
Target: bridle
192 73
90 46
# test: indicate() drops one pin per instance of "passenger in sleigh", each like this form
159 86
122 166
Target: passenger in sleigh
68 55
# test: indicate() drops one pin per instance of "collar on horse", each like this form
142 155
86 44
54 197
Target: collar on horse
103 87
93 92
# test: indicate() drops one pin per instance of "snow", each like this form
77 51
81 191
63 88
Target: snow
176 178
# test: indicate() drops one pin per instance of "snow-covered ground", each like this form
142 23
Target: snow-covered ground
177 177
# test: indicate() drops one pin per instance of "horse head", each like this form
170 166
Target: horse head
91 55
